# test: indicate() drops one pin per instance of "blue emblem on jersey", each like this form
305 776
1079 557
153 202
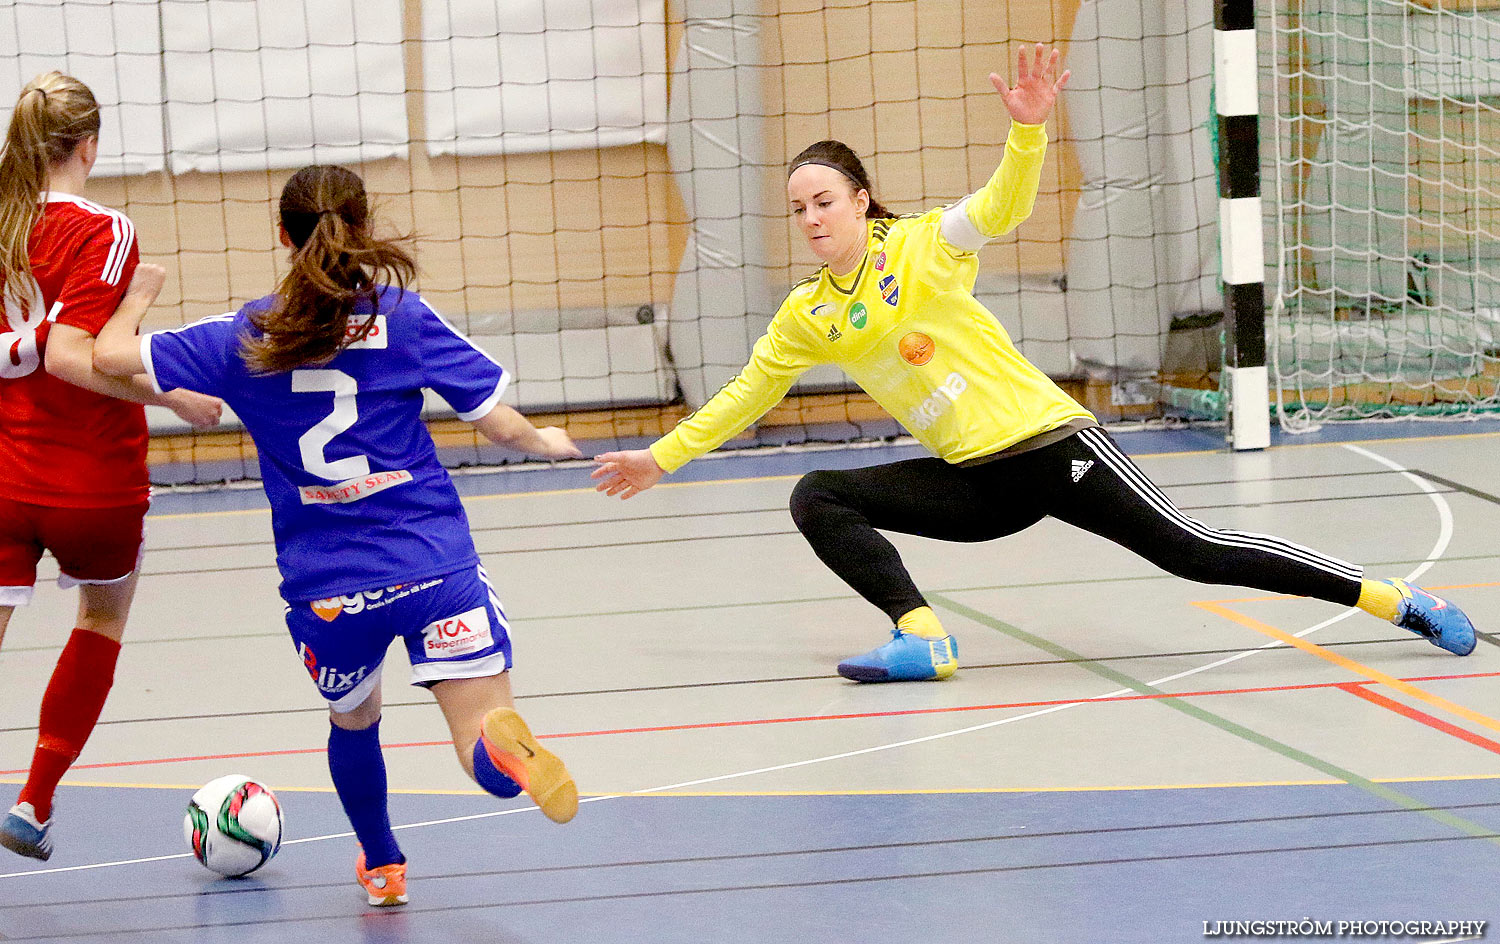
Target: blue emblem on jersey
817 310
358 496
889 290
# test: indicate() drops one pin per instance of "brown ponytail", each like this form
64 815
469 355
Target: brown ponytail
841 157
54 114
335 263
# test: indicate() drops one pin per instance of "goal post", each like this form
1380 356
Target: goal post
1241 253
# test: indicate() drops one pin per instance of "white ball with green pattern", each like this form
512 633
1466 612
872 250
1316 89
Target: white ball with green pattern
233 825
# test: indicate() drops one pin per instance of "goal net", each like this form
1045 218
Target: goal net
1381 175
598 186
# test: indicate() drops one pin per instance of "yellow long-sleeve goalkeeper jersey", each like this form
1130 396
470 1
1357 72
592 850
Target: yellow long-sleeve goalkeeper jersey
907 328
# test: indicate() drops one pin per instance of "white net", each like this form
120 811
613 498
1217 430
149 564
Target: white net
598 186
1381 178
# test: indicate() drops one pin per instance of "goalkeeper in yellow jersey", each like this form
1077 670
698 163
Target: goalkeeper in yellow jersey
893 306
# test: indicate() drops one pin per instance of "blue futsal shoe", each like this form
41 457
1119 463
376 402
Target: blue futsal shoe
1438 621
21 833
906 658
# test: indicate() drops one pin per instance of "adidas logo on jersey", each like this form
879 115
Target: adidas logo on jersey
834 333
1080 466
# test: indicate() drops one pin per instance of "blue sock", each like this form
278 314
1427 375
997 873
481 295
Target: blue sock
358 770
492 778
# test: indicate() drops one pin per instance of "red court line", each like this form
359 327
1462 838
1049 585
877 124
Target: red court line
1361 690
952 709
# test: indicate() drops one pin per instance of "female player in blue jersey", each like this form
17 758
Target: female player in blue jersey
372 543
893 305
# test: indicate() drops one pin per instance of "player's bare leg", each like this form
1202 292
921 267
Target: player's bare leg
104 607
365 715
495 745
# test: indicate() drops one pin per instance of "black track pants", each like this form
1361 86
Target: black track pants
1084 480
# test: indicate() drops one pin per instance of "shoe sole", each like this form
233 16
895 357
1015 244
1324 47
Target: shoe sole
861 673
376 898
387 901
546 778
24 848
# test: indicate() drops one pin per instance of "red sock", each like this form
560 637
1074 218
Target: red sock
70 707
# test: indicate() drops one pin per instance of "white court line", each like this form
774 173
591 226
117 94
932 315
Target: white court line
1445 536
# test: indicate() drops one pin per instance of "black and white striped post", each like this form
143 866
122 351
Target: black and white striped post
1241 250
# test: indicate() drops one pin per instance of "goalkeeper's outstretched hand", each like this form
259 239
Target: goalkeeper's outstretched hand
1037 84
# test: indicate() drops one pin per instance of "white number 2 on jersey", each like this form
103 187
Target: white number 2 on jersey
345 412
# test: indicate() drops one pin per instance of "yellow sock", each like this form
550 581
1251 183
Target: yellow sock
922 622
1379 599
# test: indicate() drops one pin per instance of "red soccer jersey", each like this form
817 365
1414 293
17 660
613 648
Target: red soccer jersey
62 445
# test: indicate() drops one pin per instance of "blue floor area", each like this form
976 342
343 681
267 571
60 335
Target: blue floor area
1147 866
747 461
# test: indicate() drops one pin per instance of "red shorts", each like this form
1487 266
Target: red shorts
92 545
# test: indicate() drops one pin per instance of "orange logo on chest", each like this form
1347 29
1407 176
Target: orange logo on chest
916 348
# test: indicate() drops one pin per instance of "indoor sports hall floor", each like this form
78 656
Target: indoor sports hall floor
1124 756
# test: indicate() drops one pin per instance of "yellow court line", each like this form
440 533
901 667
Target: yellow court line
224 513
1396 439
1319 445
475 498
794 475
1343 661
1090 789
944 791
1292 596
952 791
664 485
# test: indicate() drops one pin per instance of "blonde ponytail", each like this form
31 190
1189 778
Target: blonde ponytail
54 114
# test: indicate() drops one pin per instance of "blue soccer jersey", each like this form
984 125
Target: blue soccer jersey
358 497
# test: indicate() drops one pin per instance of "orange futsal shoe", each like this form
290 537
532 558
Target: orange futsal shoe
514 750
385 884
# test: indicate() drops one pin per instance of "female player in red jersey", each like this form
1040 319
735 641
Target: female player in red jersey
72 440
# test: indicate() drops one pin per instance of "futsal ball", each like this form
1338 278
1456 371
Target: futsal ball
233 825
